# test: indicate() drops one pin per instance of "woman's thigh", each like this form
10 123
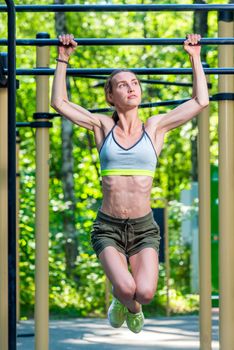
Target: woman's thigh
115 266
144 268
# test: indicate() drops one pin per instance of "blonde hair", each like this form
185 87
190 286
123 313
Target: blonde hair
108 88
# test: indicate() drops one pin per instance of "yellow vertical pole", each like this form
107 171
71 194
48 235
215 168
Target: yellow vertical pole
204 229
226 189
167 260
3 219
42 206
17 229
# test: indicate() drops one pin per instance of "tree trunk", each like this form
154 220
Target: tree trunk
70 234
199 27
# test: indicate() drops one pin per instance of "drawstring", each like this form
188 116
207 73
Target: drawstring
128 228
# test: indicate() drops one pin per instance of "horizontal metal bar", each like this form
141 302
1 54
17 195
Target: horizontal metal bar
120 8
144 81
105 110
119 41
161 103
22 124
158 104
139 71
37 124
143 105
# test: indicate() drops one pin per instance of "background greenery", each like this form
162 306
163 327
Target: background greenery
84 294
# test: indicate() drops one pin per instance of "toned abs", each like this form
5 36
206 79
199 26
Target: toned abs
126 196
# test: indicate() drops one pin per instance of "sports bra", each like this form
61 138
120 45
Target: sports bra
139 159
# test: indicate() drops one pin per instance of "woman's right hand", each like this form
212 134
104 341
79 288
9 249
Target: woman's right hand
67 45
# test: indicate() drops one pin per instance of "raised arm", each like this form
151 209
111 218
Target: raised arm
200 97
59 98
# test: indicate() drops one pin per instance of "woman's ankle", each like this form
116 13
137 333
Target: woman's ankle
135 308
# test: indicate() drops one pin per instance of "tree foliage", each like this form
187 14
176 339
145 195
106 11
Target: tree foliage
173 174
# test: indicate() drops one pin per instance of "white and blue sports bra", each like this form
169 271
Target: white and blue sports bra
139 159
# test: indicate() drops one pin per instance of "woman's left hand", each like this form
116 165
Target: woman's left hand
191 44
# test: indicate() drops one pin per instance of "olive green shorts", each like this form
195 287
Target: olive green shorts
128 236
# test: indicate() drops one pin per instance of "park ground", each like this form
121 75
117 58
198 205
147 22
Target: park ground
162 333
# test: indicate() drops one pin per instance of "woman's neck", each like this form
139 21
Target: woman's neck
128 121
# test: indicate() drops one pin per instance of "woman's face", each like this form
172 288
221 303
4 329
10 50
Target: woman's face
126 91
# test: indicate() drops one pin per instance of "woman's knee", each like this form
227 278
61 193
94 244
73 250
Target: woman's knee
125 289
144 295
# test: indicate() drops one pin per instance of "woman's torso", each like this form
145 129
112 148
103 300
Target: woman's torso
127 196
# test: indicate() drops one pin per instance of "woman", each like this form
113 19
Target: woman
124 232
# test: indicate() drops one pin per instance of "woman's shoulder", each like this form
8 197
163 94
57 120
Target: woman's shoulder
154 119
105 120
152 123
107 123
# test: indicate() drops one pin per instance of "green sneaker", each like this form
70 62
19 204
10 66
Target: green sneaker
135 322
117 313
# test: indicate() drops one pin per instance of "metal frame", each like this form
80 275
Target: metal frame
142 81
11 174
11 72
216 97
139 71
119 41
119 8
226 189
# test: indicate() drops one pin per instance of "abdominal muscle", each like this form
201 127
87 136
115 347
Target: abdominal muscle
126 196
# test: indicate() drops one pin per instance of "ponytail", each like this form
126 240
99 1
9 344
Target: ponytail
115 117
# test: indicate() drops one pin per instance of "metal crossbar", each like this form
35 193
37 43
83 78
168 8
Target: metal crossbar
120 8
139 71
119 41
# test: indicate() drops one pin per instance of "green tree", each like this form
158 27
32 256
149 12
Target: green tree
174 171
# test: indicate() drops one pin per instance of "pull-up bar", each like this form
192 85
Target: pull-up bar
119 41
139 71
119 8
143 81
